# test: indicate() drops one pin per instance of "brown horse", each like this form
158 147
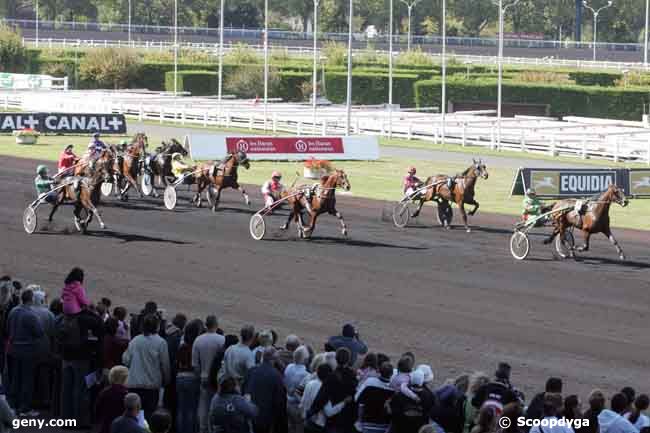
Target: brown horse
461 193
219 176
85 192
316 201
128 165
594 220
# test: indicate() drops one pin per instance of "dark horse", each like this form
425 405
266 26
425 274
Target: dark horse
128 165
323 200
594 220
220 176
462 191
85 192
161 162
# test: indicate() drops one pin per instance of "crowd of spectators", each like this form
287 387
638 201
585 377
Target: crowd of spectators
116 373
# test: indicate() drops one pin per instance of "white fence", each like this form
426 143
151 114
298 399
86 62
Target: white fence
307 51
577 137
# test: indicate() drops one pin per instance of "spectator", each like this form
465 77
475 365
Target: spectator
476 381
264 340
448 410
123 328
291 343
314 423
25 332
369 367
630 393
56 307
636 416
409 415
403 376
81 342
161 422
137 321
204 351
6 295
349 339
174 334
147 357
372 397
572 408
498 392
612 421
110 402
535 408
267 391
552 409
486 421
294 375
512 411
44 361
340 387
114 347
229 411
188 383
7 414
74 295
128 423
217 362
596 406
239 358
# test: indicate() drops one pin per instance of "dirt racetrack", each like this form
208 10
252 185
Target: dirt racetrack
458 300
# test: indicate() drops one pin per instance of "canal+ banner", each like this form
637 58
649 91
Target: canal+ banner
580 182
62 123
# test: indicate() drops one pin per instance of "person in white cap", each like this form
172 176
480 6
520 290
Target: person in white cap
272 189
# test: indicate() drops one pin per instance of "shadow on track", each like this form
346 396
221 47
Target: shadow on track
326 240
615 262
124 237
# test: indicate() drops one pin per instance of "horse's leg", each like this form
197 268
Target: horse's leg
313 216
217 197
587 237
200 186
476 206
614 242
344 228
417 212
243 191
461 208
56 205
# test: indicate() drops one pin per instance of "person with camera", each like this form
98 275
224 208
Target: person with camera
349 339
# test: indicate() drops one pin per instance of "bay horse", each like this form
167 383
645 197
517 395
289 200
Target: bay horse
595 219
316 201
461 193
221 176
85 192
128 165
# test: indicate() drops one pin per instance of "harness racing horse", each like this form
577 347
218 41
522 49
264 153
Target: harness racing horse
85 192
161 162
595 219
322 201
128 165
461 193
220 176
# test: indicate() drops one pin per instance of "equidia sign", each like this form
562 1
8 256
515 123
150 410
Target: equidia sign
63 122
550 182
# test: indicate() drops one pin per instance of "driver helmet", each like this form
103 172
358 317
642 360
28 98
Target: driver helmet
124 143
96 135
531 192
176 155
276 175
412 170
41 169
69 148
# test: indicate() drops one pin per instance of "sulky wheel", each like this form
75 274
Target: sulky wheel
519 245
257 227
565 245
30 220
146 184
170 197
401 214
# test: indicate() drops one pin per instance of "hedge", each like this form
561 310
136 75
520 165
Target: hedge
291 85
587 78
370 88
589 101
198 83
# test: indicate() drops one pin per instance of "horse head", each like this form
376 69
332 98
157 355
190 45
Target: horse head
480 169
241 159
342 180
175 146
105 166
616 194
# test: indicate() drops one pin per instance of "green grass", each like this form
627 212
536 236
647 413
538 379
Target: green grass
372 179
